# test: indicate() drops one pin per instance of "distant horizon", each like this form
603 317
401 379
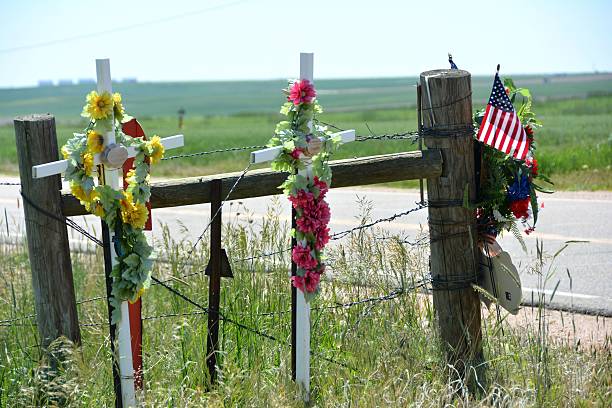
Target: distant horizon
134 80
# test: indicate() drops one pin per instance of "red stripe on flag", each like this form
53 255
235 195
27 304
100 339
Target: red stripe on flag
507 143
500 133
516 140
496 115
484 125
524 145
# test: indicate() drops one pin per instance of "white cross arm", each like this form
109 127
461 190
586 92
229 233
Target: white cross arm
270 153
60 166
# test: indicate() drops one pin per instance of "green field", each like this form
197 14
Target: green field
574 147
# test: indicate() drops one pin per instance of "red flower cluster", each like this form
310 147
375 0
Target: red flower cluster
520 208
313 217
296 153
301 92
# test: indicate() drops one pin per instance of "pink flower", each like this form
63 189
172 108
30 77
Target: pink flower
303 199
296 153
301 92
309 282
322 238
314 217
322 186
302 257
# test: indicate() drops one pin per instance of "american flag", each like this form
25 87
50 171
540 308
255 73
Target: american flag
500 127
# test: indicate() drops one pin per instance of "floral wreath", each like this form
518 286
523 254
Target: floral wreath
305 142
124 211
509 186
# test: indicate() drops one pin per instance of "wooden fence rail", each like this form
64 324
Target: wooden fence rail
258 183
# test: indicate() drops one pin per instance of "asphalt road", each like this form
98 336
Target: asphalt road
582 271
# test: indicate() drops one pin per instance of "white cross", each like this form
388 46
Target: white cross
302 329
112 178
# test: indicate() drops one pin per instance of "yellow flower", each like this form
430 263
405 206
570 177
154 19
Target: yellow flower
79 193
130 176
95 206
98 106
135 214
138 295
156 149
95 142
88 163
118 109
65 152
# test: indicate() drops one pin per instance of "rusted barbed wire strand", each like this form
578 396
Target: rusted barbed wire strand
239 325
342 234
212 218
409 135
333 237
63 219
204 153
460 99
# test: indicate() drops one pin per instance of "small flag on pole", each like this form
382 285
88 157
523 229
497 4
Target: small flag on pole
500 127
450 61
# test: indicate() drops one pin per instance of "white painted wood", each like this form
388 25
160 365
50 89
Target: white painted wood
170 142
346 136
302 329
267 154
271 153
112 179
60 166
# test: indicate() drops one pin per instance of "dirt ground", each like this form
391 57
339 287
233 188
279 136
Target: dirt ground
578 330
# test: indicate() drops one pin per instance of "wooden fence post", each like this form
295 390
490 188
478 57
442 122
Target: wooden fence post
52 281
447 126
214 285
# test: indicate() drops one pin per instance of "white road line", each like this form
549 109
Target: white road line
566 294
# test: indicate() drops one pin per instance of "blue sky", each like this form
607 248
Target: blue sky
261 39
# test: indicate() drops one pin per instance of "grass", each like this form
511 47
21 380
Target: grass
234 97
574 146
392 346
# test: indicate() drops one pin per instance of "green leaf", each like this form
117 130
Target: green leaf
534 204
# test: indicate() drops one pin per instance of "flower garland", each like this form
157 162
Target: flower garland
305 142
124 212
508 186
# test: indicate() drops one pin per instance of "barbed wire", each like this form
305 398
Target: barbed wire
212 218
204 153
9 183
342 234
239 325
409 135
63 219
333 237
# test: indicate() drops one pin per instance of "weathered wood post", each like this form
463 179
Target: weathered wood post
56 312
447 126
218 267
